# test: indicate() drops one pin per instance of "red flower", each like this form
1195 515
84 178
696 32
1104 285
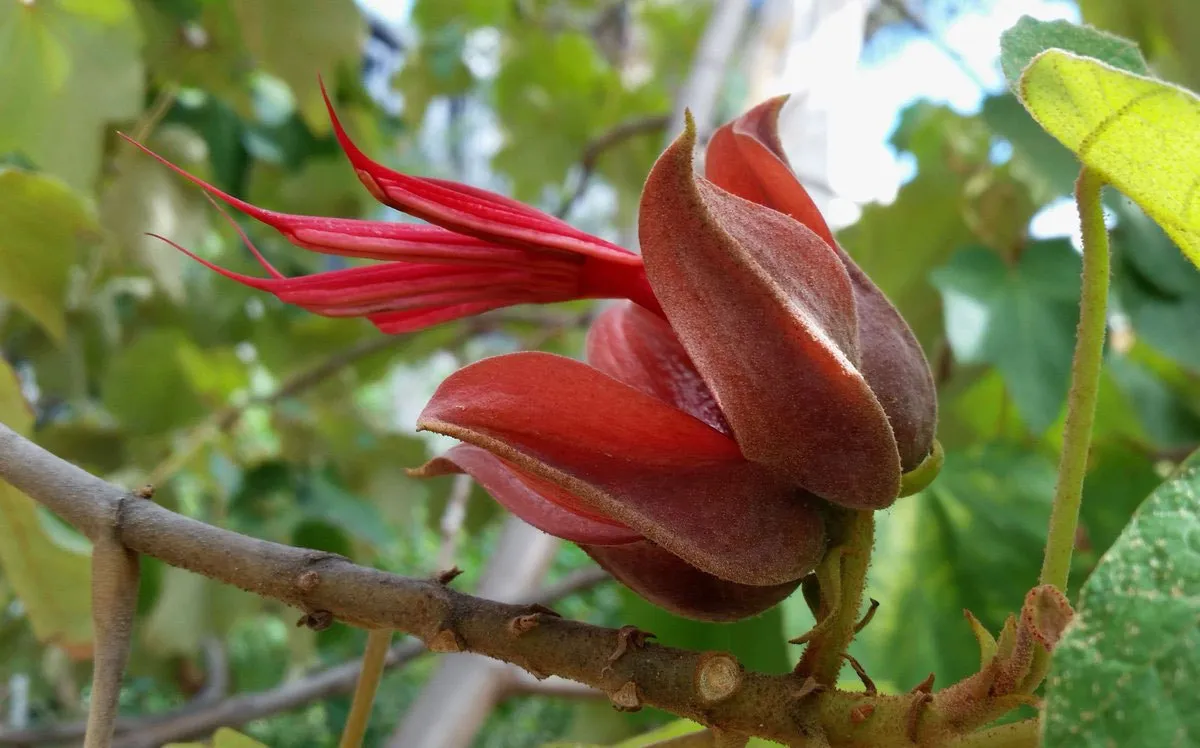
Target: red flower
762 384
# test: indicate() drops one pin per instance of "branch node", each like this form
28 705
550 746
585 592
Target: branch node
524 624
861 672
809 686
925 686
145 492
717 676
861 713
446 641
627 698
915 712
627 636
447 576
318 620
308 581
862 624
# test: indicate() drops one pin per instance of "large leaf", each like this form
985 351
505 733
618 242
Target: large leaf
885 241
1134 647
41 224
1030 37
1164 29
1020 319
52 578
66 70
299 41
972 540
1140 134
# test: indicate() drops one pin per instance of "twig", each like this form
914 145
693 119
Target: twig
452 521
115 575
657 675
364 691
207 711
912 19
596 148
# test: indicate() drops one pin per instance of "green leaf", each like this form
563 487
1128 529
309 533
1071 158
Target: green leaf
41 224
1140 134
938 553
949 149
53 580
144 198
147 385
1030 37
1019 319
1157 287
299 40
67 70
1133 650
1040 160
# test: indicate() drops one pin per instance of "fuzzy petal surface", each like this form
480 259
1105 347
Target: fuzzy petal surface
746 157
640 349
766 311
636 459
543 505
670 583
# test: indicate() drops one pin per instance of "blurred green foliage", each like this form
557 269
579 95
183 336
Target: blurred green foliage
126 358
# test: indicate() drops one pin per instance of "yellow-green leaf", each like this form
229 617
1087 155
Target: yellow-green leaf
41 223
53 581
1142 135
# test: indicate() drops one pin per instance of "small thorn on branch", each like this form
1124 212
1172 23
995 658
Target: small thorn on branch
447 576
808 687
627 698
145 492
915 713
627 636
861 713
861 672
318 620
717 677
446 641
308 581
862 624
925 686
524 624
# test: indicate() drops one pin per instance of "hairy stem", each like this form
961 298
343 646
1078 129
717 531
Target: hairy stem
1023 734
822 657
115 575
1085 382
374 661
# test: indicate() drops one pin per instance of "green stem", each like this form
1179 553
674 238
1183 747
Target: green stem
374 659
1023 734
1085 382
822 657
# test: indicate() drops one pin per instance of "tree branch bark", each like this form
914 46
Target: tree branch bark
446 620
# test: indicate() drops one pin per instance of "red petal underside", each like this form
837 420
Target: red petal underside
543 505
470 210
628 343
747 158
766 311
669 583
634 458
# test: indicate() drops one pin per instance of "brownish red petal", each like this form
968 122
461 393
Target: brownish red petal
670 583
543 505
640 349
767 313
746 158
635 459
